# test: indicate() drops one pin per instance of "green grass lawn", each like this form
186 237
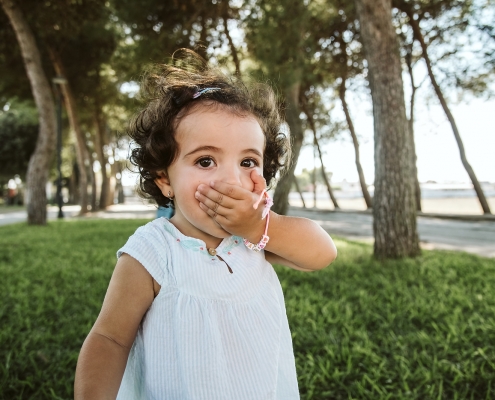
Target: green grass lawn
407 329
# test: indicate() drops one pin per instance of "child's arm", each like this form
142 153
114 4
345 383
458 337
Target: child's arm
298 243
103 356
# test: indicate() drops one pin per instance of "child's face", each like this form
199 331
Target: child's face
213 146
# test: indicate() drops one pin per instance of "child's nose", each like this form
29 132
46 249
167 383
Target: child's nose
231 175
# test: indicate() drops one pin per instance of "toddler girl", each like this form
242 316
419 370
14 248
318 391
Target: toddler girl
194 309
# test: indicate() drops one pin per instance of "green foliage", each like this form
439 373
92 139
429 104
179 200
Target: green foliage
55 24
18 134
406 329
277 36
155 29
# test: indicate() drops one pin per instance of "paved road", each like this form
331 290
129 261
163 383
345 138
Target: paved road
21 216
476 237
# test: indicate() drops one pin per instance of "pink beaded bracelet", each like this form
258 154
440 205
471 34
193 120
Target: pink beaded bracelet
266 213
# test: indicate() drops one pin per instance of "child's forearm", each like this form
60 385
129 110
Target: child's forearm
100 368
300 241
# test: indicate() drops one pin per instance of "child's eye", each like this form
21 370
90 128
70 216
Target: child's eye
249 163
205 162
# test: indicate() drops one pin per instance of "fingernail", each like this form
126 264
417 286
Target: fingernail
196 194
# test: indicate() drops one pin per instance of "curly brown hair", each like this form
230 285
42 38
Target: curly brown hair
168 90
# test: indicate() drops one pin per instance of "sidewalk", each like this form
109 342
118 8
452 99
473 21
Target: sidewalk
476 235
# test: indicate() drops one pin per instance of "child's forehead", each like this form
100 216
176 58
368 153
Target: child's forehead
213 110
222 130
219 119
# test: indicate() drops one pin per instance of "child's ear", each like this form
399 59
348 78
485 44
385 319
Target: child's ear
162 181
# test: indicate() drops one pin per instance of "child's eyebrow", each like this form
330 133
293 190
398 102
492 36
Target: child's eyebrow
203 148
217 150
253 151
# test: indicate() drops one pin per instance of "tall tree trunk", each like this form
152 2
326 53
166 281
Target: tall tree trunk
281 196
119 187
112 183
394 205
202 46
75 173
100 142
314 175
233 49
40 161
299 191
311 122
325 177
92 180
419 36
417 188
82 154
362 180
73 185
94 190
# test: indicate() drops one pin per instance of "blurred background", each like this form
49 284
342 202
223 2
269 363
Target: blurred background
93 53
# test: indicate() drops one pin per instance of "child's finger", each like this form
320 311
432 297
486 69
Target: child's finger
219 218
259 182
206 193
215 207
225 189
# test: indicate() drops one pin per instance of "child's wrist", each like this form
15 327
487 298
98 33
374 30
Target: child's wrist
256 233
260 244
263 241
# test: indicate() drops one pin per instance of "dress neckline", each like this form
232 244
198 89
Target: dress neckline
190 243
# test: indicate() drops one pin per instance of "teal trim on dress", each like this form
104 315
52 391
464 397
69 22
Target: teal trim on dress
194 244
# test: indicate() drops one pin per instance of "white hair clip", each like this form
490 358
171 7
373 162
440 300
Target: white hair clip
206 90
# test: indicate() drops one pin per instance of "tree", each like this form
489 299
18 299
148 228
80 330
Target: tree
157 28
414 22
93 86
344 68
18 131
227 12
285 59
414 158
394 206
82 155
298 189
345 63
312 125
58 27
39 164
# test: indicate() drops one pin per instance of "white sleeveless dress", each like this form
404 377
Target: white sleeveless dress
210 333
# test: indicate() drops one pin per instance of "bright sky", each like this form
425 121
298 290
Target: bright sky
437 151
